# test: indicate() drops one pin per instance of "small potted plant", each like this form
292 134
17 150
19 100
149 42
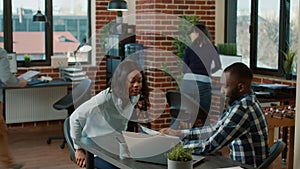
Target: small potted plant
180 158
27 60
288 62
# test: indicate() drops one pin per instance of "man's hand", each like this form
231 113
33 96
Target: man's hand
170 131
23 82
80 157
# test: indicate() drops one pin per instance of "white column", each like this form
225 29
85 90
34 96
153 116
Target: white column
220 22
297 125
129 16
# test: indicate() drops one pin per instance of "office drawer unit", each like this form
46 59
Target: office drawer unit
33 104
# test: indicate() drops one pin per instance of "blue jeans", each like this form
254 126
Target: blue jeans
199 91
99 163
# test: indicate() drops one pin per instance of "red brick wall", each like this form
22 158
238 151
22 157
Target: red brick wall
157 33
156 27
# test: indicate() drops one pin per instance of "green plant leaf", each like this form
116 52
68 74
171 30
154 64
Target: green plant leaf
183 38
289 57
179 153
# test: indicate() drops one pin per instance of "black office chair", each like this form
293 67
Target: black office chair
80 94
275 150
69 139
184 108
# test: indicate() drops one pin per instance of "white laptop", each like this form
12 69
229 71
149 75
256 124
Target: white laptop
152 148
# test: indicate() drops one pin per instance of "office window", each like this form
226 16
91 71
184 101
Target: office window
294 29
68 22
71 28
1 25
268 34
28 36
242 30
264 28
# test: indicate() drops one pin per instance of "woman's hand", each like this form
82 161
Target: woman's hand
80 157
171 132
23 82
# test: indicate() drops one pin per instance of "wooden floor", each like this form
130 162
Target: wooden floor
28 146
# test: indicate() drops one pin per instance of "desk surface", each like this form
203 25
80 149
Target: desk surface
56 82
210 162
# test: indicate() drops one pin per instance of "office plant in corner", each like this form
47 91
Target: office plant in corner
180 158
288 62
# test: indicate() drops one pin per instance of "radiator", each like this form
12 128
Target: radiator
33 104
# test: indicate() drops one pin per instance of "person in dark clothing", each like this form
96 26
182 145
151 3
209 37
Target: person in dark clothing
201 59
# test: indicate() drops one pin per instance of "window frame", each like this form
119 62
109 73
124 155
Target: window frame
284 27
8 32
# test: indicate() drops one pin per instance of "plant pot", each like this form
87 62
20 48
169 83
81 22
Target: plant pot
288 76
180 164
27 63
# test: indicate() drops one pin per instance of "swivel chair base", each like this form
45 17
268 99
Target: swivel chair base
62 145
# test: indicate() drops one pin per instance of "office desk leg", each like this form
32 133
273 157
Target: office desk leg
291 147
89 160
284 139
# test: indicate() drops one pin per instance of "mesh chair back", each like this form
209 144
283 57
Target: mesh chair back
69 139
275 150
183 107
80 94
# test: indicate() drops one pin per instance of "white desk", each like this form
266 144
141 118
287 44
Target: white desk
33 103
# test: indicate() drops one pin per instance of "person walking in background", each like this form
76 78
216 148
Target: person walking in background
198 59
243 126
197 68
7 79
110 110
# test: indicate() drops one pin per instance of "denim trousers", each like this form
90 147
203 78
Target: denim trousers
199 91
5 156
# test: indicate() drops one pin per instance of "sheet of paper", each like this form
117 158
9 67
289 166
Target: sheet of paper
29 74
148 131
144 145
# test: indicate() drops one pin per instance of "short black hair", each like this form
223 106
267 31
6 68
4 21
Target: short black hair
241 71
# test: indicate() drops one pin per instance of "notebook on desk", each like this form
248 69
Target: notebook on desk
152 148
29 75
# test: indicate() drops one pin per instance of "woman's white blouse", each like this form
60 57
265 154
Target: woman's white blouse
96 116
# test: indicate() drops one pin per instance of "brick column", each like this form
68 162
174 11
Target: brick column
156 27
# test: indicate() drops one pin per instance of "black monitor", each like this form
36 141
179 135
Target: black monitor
12 58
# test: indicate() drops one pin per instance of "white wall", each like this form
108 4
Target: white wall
220 19
129 16
297 125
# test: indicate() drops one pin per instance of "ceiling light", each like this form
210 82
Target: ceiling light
117 5
39 17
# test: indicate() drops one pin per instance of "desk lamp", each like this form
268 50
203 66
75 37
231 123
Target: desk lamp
83 48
